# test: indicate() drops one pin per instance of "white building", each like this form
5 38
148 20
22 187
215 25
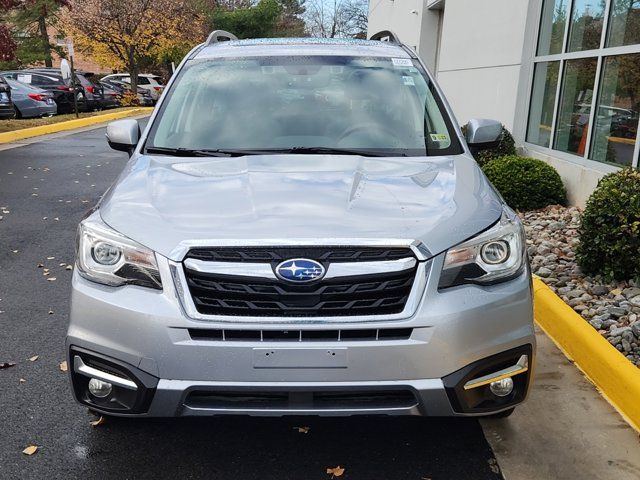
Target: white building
562 75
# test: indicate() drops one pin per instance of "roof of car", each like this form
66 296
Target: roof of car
302 46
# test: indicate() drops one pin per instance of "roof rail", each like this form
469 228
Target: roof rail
219 36
386 36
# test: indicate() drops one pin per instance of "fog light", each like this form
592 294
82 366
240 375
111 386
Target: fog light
502 388
98 388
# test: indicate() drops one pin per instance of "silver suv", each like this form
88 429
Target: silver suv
301 229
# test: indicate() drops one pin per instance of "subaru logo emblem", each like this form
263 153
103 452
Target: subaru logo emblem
300 270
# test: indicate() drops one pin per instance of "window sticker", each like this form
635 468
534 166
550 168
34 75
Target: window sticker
401 62
408 81
439 137
24 78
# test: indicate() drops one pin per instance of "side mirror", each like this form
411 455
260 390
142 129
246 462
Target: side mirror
123 135
482 134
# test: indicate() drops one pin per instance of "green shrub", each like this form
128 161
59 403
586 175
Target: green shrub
610 228
525 183
506 146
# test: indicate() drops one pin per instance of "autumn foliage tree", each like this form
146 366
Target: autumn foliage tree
124 33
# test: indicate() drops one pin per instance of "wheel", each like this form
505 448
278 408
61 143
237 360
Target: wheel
82 102
17 114
503 414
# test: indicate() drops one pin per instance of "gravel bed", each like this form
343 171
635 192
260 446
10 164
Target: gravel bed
612 308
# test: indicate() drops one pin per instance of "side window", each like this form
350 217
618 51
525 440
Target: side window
143 81
24 78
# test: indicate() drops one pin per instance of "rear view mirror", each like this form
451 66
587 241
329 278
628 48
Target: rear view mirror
123 135
482 134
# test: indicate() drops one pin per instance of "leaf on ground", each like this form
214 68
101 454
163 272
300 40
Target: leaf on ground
50 258
7 365
15 251
69 267
50 312
22 380
63 366
30 450
336 471
34 358
40 265
98 422
51 279
302 429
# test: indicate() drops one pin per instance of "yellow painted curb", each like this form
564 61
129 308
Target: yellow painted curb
616 377
16 135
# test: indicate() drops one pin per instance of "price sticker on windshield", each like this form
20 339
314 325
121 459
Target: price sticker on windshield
439 137
401 62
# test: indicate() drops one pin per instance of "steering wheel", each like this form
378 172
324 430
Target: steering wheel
368 127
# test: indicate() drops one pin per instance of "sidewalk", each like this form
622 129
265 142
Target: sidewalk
565 431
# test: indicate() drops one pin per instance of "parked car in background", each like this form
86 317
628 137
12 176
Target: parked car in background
147 81
6 106
144 97
89 93
110 97
31 101
62 94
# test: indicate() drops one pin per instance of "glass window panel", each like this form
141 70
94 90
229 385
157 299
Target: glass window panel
552 25
575 105
616 121
585 30
624 23
543 97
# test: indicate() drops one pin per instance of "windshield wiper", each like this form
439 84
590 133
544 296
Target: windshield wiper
188 152
340 151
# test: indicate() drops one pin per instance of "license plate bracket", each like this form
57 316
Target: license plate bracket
300 358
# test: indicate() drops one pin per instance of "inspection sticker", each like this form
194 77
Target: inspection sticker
408 81
439 137
401 62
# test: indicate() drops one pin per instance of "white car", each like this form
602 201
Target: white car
147 81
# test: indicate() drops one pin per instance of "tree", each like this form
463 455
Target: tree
128 32
247 19
337 18
30 20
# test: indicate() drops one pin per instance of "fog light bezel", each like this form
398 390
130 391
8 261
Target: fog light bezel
510 387
121 401
480 400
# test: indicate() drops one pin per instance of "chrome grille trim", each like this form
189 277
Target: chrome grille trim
265 270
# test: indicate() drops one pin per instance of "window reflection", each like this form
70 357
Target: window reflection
552 26
624 23
543 97
585 30
575 105
616 122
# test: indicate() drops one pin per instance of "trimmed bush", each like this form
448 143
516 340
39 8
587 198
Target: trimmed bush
526 183
610 228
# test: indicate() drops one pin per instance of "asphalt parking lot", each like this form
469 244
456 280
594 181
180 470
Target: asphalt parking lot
45 188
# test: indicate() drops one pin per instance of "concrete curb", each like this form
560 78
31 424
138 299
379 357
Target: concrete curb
617 379
14 136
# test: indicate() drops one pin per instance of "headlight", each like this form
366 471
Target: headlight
108 257
495 255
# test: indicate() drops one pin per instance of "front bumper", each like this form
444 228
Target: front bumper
456 333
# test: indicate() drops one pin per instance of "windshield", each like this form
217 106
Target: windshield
384 106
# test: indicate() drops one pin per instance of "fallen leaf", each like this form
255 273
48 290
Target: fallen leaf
62 264
40 265
69 267
98 422
34 358
51 279
14 251
45 270
50 258
30 450
63 366
335 472
7 364
302 429
22 380
50 312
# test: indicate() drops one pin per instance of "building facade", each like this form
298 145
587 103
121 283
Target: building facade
562 75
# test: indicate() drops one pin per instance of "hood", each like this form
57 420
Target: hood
161 201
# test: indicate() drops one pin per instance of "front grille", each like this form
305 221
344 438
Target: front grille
301 400
279 254
300 335
358 295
